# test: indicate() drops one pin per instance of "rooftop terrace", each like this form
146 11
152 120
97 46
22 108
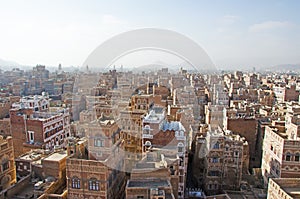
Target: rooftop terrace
149 183
290 185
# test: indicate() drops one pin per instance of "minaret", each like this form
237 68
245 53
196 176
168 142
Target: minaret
59 71
148 85
158 82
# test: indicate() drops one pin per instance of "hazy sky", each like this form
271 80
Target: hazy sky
233 33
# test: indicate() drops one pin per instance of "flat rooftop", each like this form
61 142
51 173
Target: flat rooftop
290 185
31 156
57 156
148 183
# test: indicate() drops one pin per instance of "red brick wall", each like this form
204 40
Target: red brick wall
5 127
291 94
18 130
162 138
4 109
246 128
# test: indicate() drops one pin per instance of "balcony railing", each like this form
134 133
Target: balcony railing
147 136
180 137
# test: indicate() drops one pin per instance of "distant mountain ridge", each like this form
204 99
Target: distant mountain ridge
286 67
153 67
5 63
8 65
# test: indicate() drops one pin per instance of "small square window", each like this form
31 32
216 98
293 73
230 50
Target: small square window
98 143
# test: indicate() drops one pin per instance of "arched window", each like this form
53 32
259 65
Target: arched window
216 185
75 183
297 157
236 154
98 142
147 129
210 185
288 156
293 135
180 147
287 168
148 143
227 147
215 160
216 145
93 184
181 133
5 163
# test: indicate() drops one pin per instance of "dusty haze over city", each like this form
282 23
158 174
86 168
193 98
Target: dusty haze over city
151 99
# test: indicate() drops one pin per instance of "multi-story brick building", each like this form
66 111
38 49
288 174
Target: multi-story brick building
252 80
90 178
266 97
219 95
291 93
5 127
39 71
214 115
67 87
96 167
41 174
247 127
155 176
279 92
281 154
219 161
178 81
31 129
4 107
36 103
130 122
284 188
8 171
159 133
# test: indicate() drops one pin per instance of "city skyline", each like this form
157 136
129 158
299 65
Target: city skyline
149 99
127 134
234 35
